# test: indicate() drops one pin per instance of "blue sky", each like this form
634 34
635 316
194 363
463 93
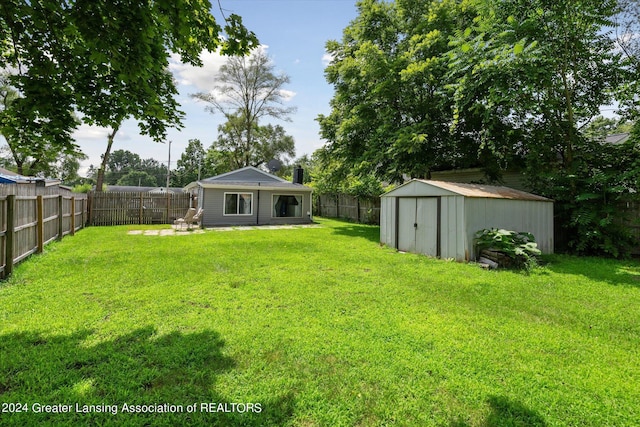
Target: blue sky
294 34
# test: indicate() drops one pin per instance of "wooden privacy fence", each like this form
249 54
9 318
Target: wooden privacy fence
365 211
117 208
29 223
632 222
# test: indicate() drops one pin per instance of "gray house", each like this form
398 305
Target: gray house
249 196
441 218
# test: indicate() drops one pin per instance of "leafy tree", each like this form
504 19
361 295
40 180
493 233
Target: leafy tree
120 163
627 29
535 71
156 169
67 169
191 165
108 60
601 127
138 178
250 90
528 76
30 153
391 112
331 176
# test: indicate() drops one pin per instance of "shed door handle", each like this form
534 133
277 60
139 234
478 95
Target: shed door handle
415 225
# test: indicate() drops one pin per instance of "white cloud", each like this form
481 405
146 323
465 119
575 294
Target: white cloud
87 132
287 95
327 58
202 78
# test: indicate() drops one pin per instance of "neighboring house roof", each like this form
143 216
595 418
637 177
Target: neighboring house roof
248 178
135 189
475 190
616 139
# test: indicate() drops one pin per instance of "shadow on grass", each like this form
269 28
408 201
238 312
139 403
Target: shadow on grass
506 413
352 229
611 271
140 368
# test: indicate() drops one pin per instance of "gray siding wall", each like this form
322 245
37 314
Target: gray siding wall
452 235
388 221
212 202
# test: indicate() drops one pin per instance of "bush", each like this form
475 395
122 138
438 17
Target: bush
520 247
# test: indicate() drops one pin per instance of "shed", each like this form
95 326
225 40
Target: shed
250 196
440 219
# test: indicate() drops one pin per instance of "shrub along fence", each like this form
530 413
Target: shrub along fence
366 211
28 223
118 208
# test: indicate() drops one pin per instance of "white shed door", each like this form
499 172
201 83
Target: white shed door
418 225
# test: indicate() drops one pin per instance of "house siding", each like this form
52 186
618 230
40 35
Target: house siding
212 202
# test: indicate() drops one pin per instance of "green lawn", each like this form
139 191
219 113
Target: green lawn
312 327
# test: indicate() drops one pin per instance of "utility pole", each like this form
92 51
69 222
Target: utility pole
169 167
167 189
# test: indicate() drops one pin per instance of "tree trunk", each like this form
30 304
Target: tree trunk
105 159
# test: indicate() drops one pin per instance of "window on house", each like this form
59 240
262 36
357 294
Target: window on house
238 203
287 206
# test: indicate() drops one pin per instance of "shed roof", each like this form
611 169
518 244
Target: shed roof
472 190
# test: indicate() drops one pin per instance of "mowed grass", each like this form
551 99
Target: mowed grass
315 327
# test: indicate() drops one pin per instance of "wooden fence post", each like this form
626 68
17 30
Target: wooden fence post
60 218
40 226
11 226
73 216
88 207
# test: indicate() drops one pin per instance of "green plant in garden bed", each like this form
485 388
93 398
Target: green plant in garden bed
321 326
520 247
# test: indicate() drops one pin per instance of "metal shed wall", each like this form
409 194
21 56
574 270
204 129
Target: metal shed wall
535 217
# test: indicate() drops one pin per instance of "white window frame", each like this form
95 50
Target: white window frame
237 193
274 195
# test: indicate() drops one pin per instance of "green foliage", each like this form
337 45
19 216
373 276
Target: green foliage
590 200
391 111
191 165
331 176
108 60
520 246
138 178
82 188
